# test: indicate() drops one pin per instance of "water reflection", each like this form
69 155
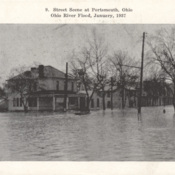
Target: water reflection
110 136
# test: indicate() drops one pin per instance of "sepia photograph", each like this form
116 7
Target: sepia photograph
87 92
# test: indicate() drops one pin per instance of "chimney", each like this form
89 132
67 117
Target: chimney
34 72
41 71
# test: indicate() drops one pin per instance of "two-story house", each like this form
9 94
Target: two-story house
48 91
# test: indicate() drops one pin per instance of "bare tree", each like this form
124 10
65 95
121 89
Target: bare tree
99 65
80 67
162 53
123 68
22 82
90 62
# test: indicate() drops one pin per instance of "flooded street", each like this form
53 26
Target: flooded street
99 136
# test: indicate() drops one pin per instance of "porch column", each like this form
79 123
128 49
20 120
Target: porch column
53 103
67 102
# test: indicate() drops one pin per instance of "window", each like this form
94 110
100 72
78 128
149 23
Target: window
20 101
98 103
14 102
92 103
57 86
17 103
72 86
59 102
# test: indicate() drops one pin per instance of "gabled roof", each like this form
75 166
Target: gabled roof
49 72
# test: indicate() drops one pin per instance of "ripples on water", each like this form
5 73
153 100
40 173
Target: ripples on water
108 136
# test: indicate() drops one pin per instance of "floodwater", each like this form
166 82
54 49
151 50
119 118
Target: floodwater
99 136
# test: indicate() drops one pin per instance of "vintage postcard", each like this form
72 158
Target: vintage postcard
87 87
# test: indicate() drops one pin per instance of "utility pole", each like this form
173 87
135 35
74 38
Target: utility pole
65 88
111 93
122 85
141 76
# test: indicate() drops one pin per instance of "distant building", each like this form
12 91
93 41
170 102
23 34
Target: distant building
130 98
49 91
157 95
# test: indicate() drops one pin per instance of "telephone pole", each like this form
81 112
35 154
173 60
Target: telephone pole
111 93
65 88
141 76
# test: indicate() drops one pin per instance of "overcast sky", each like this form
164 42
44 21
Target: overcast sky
51 44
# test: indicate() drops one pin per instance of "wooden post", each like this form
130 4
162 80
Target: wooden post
53 102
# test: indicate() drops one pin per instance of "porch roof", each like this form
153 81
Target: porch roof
56 93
